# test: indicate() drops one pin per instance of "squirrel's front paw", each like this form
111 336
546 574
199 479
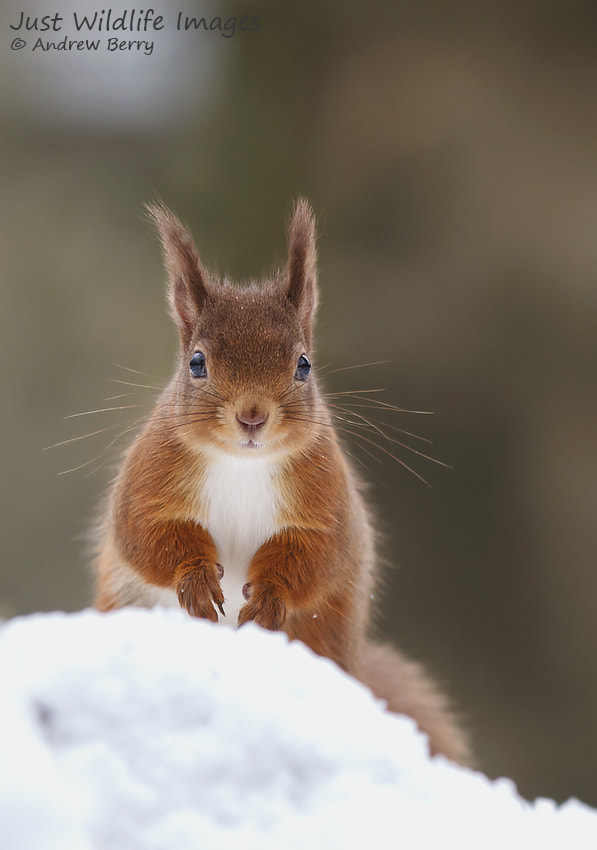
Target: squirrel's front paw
198 590
263 608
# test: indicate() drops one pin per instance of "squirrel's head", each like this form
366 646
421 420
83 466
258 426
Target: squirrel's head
244 381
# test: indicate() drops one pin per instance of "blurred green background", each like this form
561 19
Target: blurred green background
450 151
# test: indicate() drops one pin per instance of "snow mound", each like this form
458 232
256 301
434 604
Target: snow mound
147 730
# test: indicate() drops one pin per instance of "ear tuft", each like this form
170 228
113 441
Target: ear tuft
186 278
302 266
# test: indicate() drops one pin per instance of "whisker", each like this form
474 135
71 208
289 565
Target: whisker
355 392
81 466
397 442
357 437
385 451
94 470
80 437
376 403
126 430
358 366
367 452
141 386
363 419
361 437
402 431
102 410
128 369
422 454
357 459
120 395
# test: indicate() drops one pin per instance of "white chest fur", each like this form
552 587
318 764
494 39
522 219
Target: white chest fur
242 513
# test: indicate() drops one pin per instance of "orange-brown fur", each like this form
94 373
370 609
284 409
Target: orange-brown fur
313 573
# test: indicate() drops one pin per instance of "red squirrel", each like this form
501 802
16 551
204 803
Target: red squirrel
236 501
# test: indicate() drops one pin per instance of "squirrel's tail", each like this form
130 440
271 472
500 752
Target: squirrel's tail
407 689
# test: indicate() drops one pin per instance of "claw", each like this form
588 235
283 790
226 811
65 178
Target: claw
265 610
200 594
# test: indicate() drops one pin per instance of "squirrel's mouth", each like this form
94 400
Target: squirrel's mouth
233 446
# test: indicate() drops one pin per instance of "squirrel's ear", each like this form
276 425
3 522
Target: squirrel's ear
301 273
186 278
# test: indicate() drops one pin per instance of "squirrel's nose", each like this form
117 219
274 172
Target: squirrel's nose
251 420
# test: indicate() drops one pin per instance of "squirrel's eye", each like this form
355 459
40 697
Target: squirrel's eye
197 365
303 368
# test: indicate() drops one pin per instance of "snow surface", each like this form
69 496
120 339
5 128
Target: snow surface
142 730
